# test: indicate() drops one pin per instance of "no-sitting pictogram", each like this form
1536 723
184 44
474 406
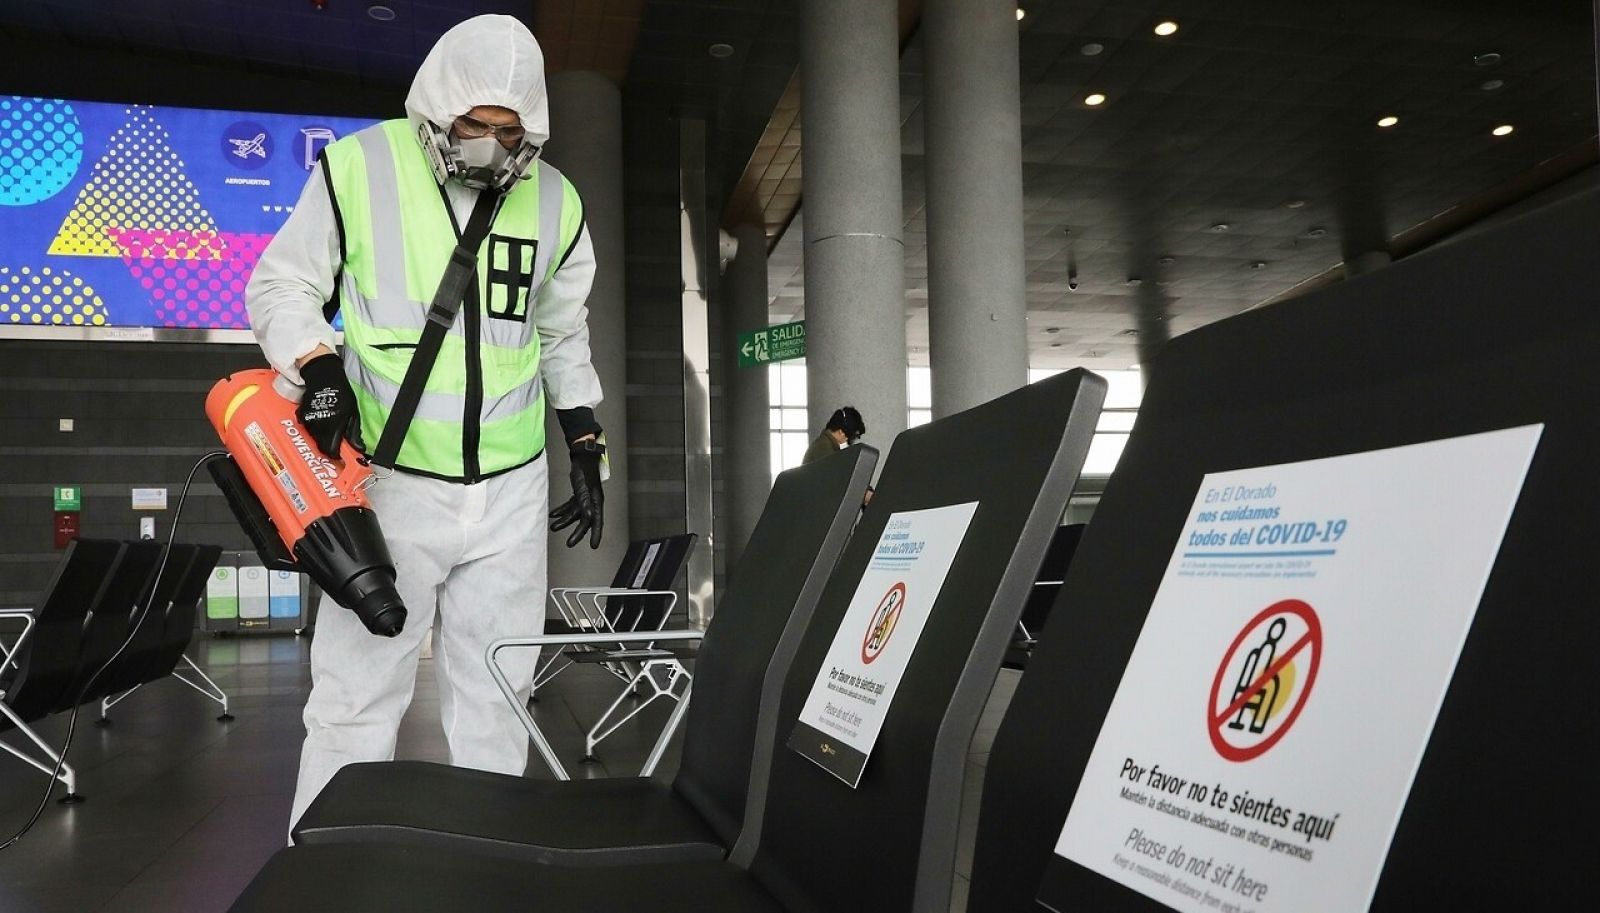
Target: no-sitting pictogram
1264 680
884 619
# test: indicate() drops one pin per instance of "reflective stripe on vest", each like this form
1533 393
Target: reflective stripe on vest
399 235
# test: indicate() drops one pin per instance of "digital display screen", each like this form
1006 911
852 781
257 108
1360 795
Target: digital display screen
117 215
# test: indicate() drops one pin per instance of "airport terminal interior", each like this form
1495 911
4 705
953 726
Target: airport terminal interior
776 456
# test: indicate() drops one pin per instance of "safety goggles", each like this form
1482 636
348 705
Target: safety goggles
508 135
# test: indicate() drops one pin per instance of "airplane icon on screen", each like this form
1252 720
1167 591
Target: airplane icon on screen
244 148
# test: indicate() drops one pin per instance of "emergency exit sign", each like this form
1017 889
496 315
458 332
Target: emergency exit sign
779 343
69 497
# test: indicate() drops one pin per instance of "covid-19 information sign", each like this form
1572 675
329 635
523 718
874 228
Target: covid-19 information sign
1265 734
860 677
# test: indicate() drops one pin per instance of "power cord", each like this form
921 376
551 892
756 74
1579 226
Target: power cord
146 609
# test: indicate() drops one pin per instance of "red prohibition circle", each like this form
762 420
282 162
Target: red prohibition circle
1312 640
887 617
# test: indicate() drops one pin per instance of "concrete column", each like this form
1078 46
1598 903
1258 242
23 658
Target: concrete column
586 144
854 256
748 462
977 307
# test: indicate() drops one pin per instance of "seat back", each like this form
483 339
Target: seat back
179 626
1051 573
148 622
891 840
657 569
629 565
1042 595
764 609
49 657
1510 332
107 624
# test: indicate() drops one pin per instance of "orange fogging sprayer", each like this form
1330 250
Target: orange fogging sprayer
302 511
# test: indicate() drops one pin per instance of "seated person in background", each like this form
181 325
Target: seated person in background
844 428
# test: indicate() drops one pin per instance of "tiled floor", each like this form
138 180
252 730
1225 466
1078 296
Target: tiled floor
182 810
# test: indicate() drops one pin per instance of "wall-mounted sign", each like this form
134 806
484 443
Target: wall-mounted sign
149 499
779 343
65 528
68 497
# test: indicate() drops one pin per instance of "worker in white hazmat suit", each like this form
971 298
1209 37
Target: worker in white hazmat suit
464 510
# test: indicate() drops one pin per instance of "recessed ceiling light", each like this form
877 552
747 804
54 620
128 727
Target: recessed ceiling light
1052 329
1020 13
1134 280
1503 130
1388 121
1491 85
1219 227
1294 204
1316 232
1094 99
1092 49
1259 264
1167 261
1055 345
720 50
380 12
1486 59
1166 28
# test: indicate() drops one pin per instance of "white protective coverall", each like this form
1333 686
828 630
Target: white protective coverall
473 556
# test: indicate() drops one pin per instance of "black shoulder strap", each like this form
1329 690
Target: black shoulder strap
331 308
458 277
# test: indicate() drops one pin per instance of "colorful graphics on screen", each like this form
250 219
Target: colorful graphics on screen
141 216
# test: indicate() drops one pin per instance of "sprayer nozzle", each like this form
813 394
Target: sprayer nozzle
345 554
388 622
372 596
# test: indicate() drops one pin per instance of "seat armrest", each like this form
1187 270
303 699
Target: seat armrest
597 616
7 654
491 657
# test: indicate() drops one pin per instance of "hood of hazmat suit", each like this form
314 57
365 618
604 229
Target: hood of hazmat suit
485 60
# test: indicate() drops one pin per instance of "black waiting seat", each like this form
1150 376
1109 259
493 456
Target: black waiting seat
1052 572
644 603
747 649
638 599
71 653
150 623
47 658
658 569
170 627
1511 330
811 842
181 617
567 619
47 654
107 626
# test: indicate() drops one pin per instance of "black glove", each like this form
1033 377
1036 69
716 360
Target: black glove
328 408
586 507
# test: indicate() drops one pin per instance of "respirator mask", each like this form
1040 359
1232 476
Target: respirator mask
476 162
